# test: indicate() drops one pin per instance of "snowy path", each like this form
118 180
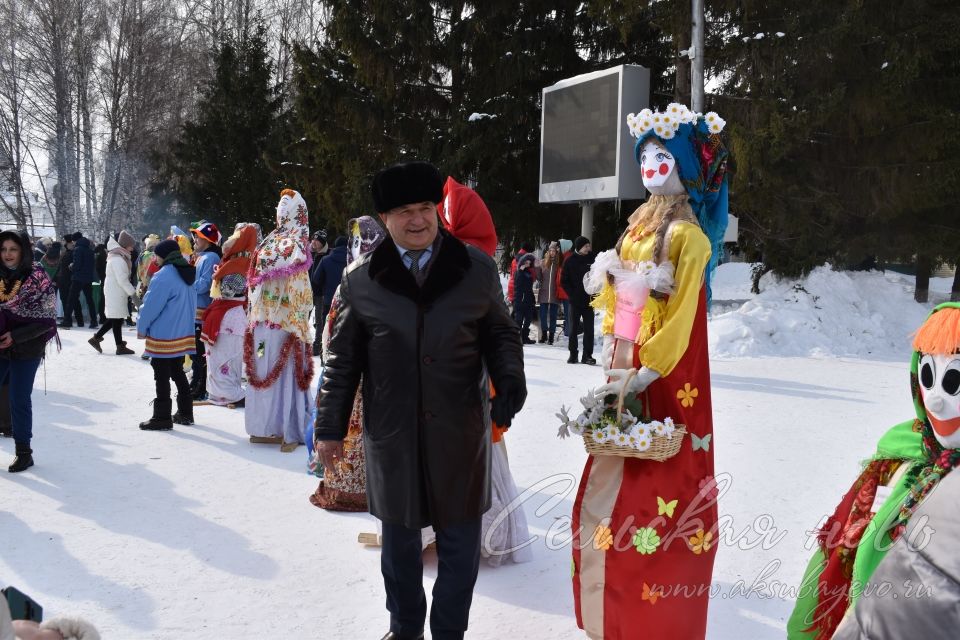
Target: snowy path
152 535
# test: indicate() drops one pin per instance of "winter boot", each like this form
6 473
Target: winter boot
573 358
543 336
95 343
122 350
161 420
550 338
24 459
184 414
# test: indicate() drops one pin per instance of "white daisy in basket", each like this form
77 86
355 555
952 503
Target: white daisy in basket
641 436
668 428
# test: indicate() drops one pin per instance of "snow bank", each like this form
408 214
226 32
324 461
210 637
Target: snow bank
828 313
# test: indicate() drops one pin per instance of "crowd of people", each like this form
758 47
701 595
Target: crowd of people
423 374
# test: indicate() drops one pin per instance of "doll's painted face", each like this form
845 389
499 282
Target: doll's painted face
659 169
940 390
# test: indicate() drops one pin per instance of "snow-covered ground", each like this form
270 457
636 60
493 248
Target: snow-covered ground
197 533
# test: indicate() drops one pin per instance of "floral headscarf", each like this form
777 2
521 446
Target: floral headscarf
366 234
280 292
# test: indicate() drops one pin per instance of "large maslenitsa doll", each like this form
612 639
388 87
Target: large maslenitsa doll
646 518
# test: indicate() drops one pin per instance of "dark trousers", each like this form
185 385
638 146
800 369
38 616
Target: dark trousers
581 319
20 374
102 304
198 365
64 291
165 370
401 562
73 304
112 323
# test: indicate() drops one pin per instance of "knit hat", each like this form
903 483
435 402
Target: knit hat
579 243
341 241
320 236
165 248
208 231
126 240
406 183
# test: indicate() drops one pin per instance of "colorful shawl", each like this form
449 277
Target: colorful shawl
237 251
279 281
35 302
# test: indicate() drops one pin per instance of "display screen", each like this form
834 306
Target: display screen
580 130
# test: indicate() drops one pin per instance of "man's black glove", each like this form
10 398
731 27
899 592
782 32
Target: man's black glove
507 403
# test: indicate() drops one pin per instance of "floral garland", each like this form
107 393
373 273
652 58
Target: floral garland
303 373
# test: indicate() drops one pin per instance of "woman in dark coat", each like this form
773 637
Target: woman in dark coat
28 311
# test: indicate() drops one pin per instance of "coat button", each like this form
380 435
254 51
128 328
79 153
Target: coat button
427 360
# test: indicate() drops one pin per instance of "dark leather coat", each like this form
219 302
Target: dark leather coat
422 353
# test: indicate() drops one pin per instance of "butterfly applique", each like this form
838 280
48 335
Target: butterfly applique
650 595
701 443
666 508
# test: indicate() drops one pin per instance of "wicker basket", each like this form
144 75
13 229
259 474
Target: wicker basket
661 448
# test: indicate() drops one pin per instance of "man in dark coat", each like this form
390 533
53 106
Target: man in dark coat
64 277
581 313
423 322
326 277
100 266
82 274
318 249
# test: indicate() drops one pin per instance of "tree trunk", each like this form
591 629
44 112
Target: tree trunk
921 290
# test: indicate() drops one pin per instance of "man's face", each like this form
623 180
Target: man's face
315 246
412 226
585 249
200 244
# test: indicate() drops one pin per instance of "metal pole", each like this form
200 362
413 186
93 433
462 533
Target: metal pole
586 220
696 54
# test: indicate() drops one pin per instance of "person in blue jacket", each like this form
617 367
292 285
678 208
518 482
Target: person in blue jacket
206 249
82 275
327 275
166 321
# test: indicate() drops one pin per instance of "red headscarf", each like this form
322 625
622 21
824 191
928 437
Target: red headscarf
467 218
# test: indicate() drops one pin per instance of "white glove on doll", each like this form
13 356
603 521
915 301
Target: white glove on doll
606 355
636 384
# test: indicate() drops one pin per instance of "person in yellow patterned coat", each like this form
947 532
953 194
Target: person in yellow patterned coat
646 530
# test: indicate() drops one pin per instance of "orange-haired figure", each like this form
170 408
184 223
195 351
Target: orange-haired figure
466 217
911 459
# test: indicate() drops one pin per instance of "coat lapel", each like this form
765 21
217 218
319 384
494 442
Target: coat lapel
447 269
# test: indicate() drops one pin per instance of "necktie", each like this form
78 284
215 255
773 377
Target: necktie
414 255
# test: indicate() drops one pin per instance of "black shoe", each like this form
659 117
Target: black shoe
587 360
95 343
396 636
572 359
94 326
65 325
198 394
123 350
550 338
528 341
184 414
161 420
24 459
129 322
6 430
543 338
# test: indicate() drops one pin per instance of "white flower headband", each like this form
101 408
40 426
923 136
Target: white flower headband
665 124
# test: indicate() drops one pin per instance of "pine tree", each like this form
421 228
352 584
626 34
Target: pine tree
402 79
841 129
220 166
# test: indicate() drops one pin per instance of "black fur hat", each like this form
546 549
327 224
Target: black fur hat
406 183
